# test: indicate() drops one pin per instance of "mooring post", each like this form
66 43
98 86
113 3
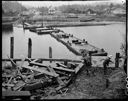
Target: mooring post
65 62
11 47
50 53
29 47
23 23
117 60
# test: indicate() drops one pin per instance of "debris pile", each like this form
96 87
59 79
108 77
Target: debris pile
37 79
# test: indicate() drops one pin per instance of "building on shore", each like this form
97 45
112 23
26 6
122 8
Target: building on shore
51 10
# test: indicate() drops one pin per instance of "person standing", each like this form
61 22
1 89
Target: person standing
106 63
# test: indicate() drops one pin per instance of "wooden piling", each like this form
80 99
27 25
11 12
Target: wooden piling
11 47
50 52
117 60
23 24
65 62
29 47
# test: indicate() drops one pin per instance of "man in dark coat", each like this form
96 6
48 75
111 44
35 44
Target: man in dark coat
106 63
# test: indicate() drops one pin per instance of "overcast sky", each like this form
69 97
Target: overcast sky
59 3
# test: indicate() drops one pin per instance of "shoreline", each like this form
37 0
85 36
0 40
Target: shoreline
77 24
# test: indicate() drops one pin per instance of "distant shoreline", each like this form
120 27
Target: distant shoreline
72 24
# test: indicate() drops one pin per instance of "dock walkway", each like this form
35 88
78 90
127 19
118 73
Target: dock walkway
77 46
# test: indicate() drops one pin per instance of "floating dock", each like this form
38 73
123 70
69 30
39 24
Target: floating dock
77 46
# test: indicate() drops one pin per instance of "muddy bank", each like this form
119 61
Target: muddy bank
92 85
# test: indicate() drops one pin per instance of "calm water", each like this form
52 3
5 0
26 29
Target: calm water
40 45
108 37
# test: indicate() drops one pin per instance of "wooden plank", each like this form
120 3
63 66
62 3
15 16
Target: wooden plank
58 68
78 67
38 76
45 59
10 85
64 69
100 54
12 61
41 70
33 86
35 60
10 93
62 65
37 64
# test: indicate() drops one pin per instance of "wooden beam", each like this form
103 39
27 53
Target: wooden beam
78 67
41 70
64 69
58 68
12 62
38 64
62 65
14 94
45 59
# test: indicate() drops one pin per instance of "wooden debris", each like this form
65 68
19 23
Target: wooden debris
62 65
32 86
41 70
38 76
78 67
16 94
42 75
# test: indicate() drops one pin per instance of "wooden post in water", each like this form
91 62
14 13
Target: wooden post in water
50 53
117 60
11 47
29 47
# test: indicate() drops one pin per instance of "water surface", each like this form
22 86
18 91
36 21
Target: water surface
108 37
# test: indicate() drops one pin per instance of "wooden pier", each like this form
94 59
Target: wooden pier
77 46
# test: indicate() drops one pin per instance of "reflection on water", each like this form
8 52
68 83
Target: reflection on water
108 37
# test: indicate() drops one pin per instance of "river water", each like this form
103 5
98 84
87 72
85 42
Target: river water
108 37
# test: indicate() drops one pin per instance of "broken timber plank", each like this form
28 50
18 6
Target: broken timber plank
78 67
58 68
64 69
33 86
60 64
12 61
38 64
38 76
41 70
44 59
16 94
10 85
